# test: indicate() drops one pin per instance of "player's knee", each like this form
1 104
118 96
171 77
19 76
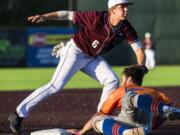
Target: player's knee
51 88
112 82
97 123
115 82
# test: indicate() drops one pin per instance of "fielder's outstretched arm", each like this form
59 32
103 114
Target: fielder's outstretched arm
58 15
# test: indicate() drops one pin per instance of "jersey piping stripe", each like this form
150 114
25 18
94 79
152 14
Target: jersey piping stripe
61 65
101 48
51 85
36 96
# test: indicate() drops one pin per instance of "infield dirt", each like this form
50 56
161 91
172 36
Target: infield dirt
69 109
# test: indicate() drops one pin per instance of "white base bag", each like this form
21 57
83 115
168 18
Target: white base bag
56 131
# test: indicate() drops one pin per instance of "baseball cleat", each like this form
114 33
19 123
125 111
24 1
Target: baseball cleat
172 113
15 122
136 131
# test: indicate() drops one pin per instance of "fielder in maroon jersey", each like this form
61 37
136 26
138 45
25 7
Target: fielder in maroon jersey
100 31
98 35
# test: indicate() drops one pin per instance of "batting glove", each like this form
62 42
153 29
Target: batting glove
57 50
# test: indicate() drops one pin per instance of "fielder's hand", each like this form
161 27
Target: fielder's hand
57 50
37 19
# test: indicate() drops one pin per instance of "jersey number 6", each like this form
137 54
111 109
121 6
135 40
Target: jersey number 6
95 43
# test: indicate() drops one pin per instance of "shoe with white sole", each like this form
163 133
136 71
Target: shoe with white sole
172 113
15 122
137 131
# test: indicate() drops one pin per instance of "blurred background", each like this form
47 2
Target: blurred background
24 44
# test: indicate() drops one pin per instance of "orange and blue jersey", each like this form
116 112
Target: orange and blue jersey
114 100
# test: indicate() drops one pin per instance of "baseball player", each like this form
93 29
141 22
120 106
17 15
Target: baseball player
139 106
99 32
149 49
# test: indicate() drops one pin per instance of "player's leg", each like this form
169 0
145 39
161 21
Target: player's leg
133 115
71 61
152 59
149 104
101 71
147 62
136 131
108 126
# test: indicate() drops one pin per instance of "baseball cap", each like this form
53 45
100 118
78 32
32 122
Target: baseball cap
112 3
147 35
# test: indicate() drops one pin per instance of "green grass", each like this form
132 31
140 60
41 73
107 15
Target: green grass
163 76
32 78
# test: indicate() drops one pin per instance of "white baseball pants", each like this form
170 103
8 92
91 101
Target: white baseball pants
72 60
150 58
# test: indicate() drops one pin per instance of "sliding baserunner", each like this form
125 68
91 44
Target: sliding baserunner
139 107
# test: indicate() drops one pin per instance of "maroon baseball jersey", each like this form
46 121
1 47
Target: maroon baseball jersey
97 36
